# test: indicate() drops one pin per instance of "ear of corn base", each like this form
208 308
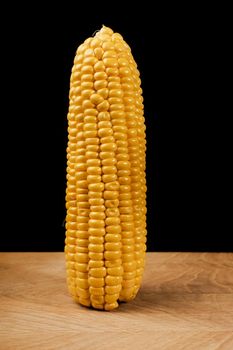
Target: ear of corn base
106 185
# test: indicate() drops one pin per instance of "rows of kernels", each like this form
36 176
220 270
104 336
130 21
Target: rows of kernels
96 226
71 203
118 117
139 200
71 206
78 85
112 253
131 85
83 207
97 270
96 221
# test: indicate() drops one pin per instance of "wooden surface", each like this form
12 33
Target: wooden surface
185 302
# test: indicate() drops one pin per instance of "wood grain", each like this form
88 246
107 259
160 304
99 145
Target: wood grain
185 302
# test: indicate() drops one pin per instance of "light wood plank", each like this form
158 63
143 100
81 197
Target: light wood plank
185 302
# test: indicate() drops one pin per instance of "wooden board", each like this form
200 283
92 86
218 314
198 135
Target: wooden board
185 302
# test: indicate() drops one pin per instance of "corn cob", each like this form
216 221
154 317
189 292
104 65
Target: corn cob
106 185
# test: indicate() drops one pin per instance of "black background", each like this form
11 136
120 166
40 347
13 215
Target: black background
184 60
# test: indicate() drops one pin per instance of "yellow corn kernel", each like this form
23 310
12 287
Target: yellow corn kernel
98 272
97 291
109 307
110 298
106 185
